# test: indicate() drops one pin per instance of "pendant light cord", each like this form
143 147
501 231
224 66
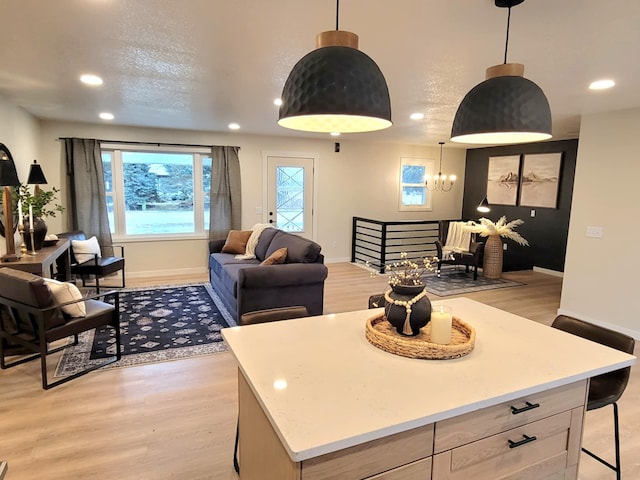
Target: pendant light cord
506 44
337 12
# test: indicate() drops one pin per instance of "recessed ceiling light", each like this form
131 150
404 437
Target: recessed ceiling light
277 102
416 116
106 116
601 84
92 80
234 126
335 134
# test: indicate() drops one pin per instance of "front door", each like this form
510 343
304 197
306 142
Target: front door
290 193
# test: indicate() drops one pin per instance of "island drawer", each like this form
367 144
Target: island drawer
543 449
420 470
467 428
374 458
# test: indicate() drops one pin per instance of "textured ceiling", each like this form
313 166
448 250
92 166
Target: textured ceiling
201 64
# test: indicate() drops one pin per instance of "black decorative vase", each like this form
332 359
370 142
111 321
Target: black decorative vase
408 324
39 232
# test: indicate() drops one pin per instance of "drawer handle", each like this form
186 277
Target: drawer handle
530 406
524 441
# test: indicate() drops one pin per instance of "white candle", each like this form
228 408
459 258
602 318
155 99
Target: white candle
20 224
31 217
441 325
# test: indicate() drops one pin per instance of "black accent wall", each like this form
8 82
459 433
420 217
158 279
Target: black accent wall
546 232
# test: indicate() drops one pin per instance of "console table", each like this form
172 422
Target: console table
318 401
41 263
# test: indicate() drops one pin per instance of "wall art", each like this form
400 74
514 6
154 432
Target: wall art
503 179
540 180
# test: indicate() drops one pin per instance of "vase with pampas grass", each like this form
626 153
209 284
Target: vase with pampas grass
493 251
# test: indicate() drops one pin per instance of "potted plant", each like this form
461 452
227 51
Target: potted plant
493 252
39 204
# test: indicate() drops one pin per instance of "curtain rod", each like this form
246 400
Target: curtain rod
158 144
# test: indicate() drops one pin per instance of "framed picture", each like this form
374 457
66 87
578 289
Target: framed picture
540 180
502 180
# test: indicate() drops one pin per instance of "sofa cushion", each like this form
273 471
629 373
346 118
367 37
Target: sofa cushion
236 241
277 257
299 249
217 261
230 275
264 241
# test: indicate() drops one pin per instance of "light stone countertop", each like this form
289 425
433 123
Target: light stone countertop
324 387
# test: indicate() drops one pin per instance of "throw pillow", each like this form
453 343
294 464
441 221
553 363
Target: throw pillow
236 241
64 292
85 250
277 257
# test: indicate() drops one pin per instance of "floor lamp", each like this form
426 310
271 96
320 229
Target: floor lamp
8 179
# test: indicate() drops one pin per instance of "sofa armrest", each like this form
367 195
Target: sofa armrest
215 246
282 275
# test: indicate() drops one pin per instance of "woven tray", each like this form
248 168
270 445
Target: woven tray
383 335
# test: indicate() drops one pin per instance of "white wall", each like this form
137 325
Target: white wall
361 180
19 133
601 274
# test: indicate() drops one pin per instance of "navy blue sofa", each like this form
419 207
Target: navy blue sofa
246 286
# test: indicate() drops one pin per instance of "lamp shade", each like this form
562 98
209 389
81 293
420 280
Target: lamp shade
503 110
36 175
335 89
483 207
8 174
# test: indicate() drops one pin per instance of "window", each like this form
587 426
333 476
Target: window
413 192
160 191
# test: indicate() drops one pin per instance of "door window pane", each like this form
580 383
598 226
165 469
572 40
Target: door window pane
290 199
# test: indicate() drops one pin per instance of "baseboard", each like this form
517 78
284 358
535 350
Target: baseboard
167 273
548 271
337 260
611 326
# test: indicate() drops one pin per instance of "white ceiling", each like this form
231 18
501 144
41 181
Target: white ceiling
201 64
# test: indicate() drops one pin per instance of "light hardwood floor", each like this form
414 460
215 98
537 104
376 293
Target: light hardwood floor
176 420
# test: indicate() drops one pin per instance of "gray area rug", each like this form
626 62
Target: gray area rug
459 282
157 324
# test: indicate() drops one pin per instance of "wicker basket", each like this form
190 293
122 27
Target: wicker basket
492 265
383 335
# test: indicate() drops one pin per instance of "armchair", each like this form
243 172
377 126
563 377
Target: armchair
471 258
99 266
38 320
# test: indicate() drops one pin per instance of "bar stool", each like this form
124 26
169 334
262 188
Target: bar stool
604 389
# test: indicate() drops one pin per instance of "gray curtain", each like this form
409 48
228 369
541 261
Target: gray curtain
87 202
225 212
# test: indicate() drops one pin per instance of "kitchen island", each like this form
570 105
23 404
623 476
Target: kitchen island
318 401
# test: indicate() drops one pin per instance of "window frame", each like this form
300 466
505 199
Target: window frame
117 192
429 167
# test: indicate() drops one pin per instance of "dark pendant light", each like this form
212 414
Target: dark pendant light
506 108
335 88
